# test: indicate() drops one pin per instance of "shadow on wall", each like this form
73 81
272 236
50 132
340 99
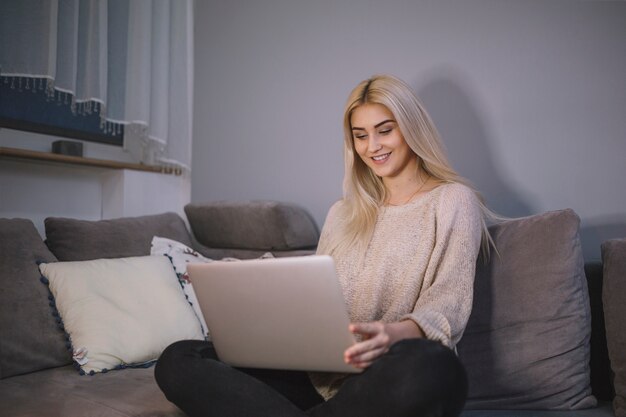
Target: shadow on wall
448 99
593 232
466 138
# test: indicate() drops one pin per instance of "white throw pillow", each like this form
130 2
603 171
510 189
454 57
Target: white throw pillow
120 312
180 255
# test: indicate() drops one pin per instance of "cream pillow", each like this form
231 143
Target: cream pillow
180 255
120 312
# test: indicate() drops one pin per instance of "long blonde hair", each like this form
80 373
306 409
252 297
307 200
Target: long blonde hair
364 191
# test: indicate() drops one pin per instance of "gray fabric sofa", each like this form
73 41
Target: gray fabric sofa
500 349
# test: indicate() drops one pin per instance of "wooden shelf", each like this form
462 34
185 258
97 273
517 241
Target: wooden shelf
79 160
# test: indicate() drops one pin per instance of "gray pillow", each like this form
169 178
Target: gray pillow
526 345
83 240
614 301
29 338
260 225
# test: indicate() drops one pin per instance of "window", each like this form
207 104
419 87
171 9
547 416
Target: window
27 104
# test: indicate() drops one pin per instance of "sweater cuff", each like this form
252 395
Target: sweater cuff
434 325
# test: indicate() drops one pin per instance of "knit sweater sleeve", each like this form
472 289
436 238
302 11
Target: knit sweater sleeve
445 302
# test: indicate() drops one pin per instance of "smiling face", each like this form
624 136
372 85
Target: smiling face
380 144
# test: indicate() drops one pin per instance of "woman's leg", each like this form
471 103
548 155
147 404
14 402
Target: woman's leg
416 378
193 378
294 385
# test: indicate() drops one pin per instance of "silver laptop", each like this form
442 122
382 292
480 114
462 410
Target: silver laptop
285 313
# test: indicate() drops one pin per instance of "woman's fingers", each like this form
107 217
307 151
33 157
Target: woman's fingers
366 346
376 343
367 329
365 359
374 332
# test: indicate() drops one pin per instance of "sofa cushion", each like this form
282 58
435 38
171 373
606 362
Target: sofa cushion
603 410
29 339
261 225
61 392
120 312
82 240
219 253
614 300
526 345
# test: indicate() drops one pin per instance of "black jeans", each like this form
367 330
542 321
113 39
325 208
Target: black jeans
416 378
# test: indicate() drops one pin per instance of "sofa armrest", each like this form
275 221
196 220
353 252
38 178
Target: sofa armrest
252 226
613 296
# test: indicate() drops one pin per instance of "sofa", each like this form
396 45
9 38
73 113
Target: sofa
545 337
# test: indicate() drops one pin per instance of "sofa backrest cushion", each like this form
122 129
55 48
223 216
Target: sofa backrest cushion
526 345
260 225
614 301
84 240
29 338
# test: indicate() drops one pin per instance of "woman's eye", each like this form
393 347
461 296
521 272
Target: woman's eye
385 131
360 136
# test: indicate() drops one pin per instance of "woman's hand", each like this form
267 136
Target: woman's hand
377 339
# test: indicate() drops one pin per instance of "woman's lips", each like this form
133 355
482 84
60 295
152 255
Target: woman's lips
381 159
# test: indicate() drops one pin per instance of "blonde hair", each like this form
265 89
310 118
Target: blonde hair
364 192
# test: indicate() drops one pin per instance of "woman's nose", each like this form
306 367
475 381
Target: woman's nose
373 144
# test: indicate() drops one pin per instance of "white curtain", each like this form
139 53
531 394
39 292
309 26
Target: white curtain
132 61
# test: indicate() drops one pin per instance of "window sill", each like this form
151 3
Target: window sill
79 160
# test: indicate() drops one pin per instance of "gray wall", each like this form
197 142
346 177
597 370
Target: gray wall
35 189
530 98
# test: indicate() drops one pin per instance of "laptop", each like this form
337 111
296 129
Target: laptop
282 313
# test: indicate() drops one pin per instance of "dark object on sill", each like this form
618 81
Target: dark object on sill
66 147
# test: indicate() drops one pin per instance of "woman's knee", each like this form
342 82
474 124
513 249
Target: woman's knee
178 360
416 377
434 369
430 359
178 351
184 348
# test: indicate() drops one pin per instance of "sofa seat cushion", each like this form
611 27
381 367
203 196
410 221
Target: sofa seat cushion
602 410
61 392
29 338
84 240
526 345
260 225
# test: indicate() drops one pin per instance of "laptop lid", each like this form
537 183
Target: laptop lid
284 313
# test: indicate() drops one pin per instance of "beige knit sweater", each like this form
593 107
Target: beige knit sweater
419 265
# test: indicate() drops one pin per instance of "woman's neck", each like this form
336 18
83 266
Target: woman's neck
403 189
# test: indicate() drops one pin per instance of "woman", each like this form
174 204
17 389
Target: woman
405 239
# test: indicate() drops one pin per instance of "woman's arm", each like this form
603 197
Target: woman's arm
445 300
